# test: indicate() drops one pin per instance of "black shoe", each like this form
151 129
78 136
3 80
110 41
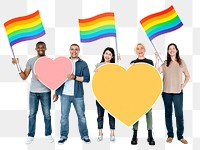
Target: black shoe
150 138
62 140
151 141
86 140
134 141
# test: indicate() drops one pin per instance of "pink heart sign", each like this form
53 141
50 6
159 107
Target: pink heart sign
52 73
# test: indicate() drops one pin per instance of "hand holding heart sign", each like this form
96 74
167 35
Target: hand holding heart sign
127 95
53 73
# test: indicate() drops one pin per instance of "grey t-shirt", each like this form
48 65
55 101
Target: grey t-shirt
36 85
99 65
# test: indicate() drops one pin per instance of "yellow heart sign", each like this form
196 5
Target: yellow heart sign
127 94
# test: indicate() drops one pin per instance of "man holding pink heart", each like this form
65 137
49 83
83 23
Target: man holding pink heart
72 92
38 92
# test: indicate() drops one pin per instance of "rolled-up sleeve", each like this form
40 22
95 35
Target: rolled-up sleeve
86 74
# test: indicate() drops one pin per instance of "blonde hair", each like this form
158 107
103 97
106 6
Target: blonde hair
138 45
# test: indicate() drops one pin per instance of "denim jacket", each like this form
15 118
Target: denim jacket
82 70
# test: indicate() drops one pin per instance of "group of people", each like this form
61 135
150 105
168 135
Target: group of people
72 92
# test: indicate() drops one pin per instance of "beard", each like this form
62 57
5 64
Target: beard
41 53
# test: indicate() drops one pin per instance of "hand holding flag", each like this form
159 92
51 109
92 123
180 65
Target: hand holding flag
97 27
24 28
161 23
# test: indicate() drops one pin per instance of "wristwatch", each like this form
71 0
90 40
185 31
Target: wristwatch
75 77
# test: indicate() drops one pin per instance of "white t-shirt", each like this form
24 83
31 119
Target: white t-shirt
69 84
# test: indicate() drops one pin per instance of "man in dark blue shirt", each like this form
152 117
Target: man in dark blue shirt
72 92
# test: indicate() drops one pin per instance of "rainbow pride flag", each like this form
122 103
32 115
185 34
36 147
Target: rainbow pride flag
161 22
24 28
97 27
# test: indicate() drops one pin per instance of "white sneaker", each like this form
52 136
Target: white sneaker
100 138
29 140
49 138
112 138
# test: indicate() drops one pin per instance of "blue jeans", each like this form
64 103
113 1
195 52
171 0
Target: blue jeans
45 100
100 112
80 111
177 100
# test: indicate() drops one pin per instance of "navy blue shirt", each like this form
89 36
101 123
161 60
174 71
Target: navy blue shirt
82 70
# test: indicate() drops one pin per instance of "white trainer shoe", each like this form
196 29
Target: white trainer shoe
49 138
112 138
100 138
29 140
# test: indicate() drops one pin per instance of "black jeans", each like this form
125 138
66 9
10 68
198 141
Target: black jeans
100 112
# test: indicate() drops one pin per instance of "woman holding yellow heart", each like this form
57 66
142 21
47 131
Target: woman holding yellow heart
140 51
108 56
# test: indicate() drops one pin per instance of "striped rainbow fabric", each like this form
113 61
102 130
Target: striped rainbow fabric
97 27
24 28
161 22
